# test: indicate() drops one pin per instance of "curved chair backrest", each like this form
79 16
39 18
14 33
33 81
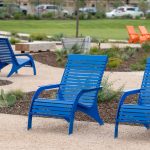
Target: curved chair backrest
143 30
82 72
131 30
144 97
6 52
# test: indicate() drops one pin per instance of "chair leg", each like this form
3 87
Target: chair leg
2 66
33 66
116 130
13 69
71 126
147 126
95 116
93 113
29 122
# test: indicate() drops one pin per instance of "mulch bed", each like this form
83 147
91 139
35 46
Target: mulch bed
49 58
5 82
107 109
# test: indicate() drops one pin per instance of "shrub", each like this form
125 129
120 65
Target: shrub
130 51
95 51
107 93
100 15
114 62
57 37
146 46
38 37
10 98
32 17
139 65
75 49
48 15
95 40
18 16
61 56
18 93
124 57
148 16
14 41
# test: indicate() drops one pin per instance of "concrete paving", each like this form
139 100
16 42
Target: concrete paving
51 134
25 80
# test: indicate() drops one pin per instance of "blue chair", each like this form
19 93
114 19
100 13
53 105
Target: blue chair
7 57
78 91
136 113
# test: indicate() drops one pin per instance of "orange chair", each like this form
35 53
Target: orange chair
144 32
134 37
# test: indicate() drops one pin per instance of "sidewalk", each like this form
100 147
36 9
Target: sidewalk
51 134
51 75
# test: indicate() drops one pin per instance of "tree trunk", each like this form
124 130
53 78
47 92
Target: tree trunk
77 18
127 1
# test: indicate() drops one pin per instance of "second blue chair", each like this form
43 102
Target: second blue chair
8 57
136 113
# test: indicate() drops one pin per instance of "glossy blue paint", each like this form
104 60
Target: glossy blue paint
78 91
136 113
7 57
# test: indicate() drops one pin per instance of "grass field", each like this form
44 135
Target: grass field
102 29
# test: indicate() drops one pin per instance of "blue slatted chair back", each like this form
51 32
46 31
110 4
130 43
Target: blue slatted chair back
6 52
144 96
82 72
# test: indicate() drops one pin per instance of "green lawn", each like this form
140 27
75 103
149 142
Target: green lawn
103 29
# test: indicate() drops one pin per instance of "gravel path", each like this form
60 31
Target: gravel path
51 134
25 80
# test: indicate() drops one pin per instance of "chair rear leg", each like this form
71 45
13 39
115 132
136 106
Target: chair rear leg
147 126
29 121
95 115
33 66
2 66
116 130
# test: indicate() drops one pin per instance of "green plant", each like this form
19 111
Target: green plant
14 40
95 40
57 37
139 65
18 15
130 51
114 62
95 51
148 16
32 17
18 93
38 37
61 56
146 46
48 15
100 15
107 93
9 99
75 49
124 57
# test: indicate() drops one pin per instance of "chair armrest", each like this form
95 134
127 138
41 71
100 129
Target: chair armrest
27 55
84 91
128 93
42 88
